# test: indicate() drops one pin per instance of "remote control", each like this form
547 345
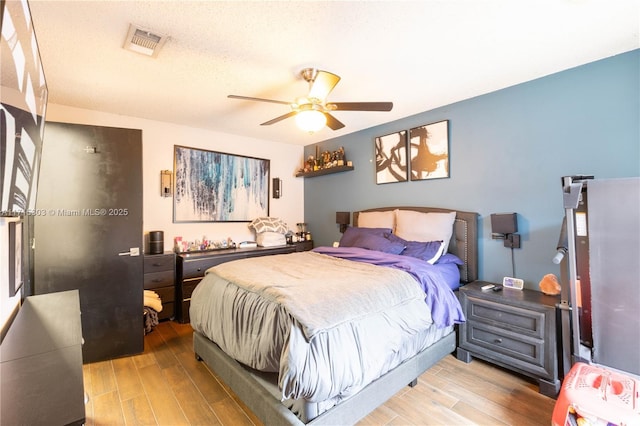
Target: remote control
487 287
497 288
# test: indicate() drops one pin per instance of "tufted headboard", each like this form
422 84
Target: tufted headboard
464 240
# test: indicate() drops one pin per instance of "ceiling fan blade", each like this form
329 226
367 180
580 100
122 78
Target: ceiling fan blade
248 98
323 84
360 106
282 117
332 122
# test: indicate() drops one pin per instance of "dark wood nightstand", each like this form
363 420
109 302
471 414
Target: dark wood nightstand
160 276
304 245
515 329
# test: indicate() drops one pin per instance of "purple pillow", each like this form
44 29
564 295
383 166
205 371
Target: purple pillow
378 243
428 251
353 233
450 258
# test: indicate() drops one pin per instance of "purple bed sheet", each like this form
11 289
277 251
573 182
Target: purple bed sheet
443 303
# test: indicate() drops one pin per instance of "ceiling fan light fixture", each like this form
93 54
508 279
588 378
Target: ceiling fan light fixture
311 120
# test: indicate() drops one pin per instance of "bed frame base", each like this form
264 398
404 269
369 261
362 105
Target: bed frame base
266 406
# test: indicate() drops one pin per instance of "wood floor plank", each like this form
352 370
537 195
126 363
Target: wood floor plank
494 401
102 378
424 390
161 351
192 402
382 416
88 406
146 358
209 386
520 394
230 413
416 410
127 378
174 341
476 415
107 409
161 397
138 411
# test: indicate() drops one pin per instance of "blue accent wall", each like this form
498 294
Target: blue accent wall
508 151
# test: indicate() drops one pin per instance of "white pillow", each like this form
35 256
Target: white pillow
425 227
270 239
377 220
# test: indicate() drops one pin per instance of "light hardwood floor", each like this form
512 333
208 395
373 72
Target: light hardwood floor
165 385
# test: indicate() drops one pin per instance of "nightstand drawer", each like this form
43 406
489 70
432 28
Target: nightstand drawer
166 294
525 321
155 263
526 353
159 279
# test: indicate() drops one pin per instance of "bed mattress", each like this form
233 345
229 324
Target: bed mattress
327 329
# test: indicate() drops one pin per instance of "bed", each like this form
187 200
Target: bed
292 360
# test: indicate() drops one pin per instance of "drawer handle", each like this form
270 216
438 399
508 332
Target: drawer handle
157 264
157 280
497 340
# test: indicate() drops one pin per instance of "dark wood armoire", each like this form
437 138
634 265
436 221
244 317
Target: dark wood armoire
88 232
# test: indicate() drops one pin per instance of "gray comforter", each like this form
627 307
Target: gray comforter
329 326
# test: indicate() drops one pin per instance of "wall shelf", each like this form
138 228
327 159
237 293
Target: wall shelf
337 169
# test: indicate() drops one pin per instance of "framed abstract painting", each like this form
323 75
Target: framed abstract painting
391 157
23 106
429 151
214 186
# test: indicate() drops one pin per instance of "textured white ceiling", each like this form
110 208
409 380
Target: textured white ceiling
417 54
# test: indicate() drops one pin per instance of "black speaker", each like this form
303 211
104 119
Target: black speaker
156 242
504 223
277 187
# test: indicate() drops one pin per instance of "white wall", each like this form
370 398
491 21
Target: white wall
158 140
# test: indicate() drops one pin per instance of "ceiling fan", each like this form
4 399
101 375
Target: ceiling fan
313 112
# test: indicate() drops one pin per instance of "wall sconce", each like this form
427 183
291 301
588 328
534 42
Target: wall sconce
343 219
276 183
165 183
504 227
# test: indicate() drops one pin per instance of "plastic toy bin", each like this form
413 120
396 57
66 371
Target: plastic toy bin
593 395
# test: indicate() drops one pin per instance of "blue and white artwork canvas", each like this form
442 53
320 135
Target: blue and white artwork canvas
213 186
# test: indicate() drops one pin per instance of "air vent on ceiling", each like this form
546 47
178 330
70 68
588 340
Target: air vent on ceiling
143 41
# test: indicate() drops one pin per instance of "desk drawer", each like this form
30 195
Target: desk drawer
159 279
